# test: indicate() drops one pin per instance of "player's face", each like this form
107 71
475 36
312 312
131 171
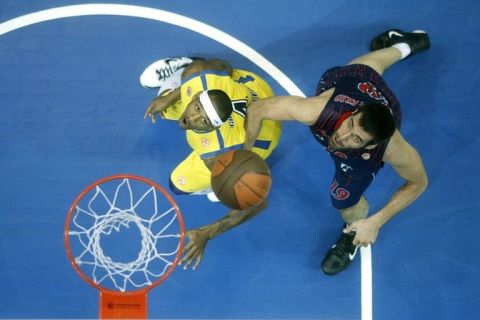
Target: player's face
194 117
350 135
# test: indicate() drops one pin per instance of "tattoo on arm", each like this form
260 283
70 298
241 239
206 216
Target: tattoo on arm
231 220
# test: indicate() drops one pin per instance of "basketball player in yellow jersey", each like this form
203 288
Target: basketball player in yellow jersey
209 100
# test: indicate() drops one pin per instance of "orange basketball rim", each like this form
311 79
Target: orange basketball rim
113 206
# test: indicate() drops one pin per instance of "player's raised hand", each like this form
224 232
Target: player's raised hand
193 252
161 104
157 107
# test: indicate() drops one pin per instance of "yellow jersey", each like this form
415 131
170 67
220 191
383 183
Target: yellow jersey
242 87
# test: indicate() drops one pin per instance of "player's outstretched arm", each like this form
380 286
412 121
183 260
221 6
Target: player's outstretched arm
202 65
160 104
408 164
304 110
198 238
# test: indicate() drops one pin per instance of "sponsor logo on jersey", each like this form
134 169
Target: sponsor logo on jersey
345 168
346 99
366 156
205 142
339 154
371 90
181 180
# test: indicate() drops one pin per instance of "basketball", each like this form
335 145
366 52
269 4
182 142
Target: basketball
241 179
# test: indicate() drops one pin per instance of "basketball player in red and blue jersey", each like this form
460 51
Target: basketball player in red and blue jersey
356 118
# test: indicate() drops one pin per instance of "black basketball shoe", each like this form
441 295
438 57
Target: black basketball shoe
341 254
417 40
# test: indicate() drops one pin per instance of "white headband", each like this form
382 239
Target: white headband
210 110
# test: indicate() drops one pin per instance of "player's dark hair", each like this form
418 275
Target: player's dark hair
222 103
377 120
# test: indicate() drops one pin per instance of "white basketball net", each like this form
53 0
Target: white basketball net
89 226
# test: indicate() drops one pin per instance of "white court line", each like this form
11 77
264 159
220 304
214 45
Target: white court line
158 15
207 31
366 266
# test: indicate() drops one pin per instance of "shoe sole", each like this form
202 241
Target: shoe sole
149 78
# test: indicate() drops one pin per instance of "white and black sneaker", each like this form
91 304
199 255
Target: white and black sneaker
165 74
341 255
417 40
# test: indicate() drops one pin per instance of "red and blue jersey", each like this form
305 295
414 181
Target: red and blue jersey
354 85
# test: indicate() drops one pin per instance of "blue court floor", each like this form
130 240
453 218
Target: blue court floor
72 112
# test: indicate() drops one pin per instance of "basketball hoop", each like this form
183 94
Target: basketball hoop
124 235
